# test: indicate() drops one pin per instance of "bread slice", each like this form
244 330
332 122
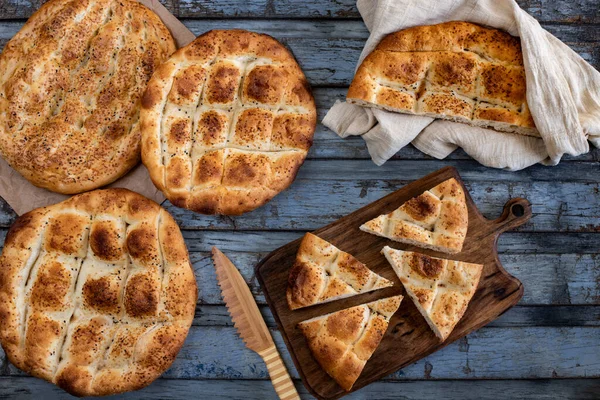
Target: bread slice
457 71
437 219
324 273
342 342
441 289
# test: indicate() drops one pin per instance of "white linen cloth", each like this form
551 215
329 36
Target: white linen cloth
563 91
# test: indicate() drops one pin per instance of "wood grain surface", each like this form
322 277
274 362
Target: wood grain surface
408 338
548 346
259 390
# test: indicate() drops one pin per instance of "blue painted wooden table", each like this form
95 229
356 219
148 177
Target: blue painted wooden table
546 347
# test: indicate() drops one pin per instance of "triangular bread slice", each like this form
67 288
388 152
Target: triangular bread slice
441 289
437 219
324 273
342 342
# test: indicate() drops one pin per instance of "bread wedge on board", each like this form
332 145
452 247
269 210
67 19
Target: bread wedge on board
441 289
342 342
324 273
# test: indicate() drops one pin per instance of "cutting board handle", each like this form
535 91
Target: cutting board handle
516 212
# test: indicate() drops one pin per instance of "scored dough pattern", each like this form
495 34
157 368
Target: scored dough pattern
227 123
93 294
457 71
342 342
436 219
71 82
440 288
323 273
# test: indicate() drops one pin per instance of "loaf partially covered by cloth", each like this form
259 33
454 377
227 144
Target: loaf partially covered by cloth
561 92
455 70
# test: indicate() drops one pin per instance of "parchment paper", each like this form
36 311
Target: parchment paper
22 196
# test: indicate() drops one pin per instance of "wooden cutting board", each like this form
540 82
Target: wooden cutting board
408 337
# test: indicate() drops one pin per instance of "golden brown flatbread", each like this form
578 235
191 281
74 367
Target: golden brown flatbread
324 273
438 219
97 293
71 81
226 122
441 289
342 342
455 70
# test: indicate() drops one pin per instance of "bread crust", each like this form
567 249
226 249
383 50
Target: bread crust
97 293
226 122
70 86
323 273
455 70
441 289
437 219
342 342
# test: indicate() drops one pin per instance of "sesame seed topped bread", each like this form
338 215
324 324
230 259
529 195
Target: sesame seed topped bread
342 342
226 122
71 81
324 273
97 293
441 289
457 71
438 219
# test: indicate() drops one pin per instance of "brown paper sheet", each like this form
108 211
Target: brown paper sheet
22 196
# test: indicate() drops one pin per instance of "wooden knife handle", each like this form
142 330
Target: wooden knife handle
284 386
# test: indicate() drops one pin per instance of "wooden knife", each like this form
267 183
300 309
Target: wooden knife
250 323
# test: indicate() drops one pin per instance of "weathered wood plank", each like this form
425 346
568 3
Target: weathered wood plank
7 216
514 243
32 388
582 11
313 201
329 189
257 244
328 50
549 279
408 170
549 316
294 29
324 30
489 353
518 316
253 245
563 11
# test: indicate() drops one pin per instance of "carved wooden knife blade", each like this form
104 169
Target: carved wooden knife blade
250 323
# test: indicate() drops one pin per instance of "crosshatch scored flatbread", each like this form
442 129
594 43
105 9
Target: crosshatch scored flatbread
71 81
324 273
226 122
456 70
441 289
97 293
342 342
438 219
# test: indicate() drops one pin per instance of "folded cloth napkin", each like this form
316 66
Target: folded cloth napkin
563 91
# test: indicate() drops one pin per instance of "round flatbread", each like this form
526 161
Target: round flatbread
226 122
97 293
70 86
